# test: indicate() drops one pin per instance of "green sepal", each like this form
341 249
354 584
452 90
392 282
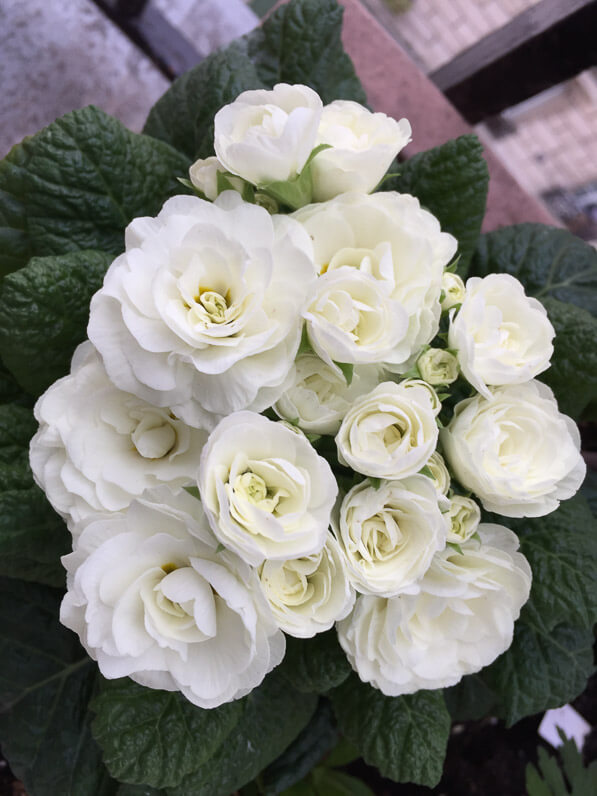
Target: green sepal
298 191
347 369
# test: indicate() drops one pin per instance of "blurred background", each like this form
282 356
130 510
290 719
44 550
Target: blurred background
122 54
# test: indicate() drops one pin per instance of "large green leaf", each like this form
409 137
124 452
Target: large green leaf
405 737
451 181
44 309
470 699
299 43
10 390
549 262
573 372
156 737
551 655
545 667
304 752
273 715
77 184
589 491
562 551
46 680
315 665
32 536
183 116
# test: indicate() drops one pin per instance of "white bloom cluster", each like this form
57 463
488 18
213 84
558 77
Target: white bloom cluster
203 528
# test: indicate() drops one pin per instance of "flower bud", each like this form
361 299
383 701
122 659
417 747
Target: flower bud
464 516
438 366
454 290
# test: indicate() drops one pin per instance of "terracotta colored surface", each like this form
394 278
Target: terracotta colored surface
396 86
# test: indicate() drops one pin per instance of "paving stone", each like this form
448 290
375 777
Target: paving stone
56 56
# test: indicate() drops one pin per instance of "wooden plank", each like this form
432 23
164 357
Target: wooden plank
149 29
548 43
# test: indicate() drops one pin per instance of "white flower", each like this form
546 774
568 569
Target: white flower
320 397
151 598
389 535
202 312
502 336
351 319
439 473
364 144
99 447
388 237
438 366
204 176
464 516
265 490
454 290
266 136
392 432
516 451
460 621
307 595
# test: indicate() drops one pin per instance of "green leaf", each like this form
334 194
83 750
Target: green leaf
32 536
183 116
451 181
544 668
156 737
562 549
315 664
44 309
405 737
551 655
45 684
299 43
470 699
273 715
589 491
574 360
328 782
344 753
550 262
77 184
10 390
304 752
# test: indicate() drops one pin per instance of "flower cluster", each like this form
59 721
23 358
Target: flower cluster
259 439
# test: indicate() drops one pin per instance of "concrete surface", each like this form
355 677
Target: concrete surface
58 55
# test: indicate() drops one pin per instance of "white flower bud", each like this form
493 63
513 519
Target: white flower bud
438 366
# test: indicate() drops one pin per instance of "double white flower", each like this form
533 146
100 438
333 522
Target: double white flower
381 258
389 535
98 447
392 432
516 451
152 598
319 397
460 621
201 314
267 136
265 490
502 335
308 594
